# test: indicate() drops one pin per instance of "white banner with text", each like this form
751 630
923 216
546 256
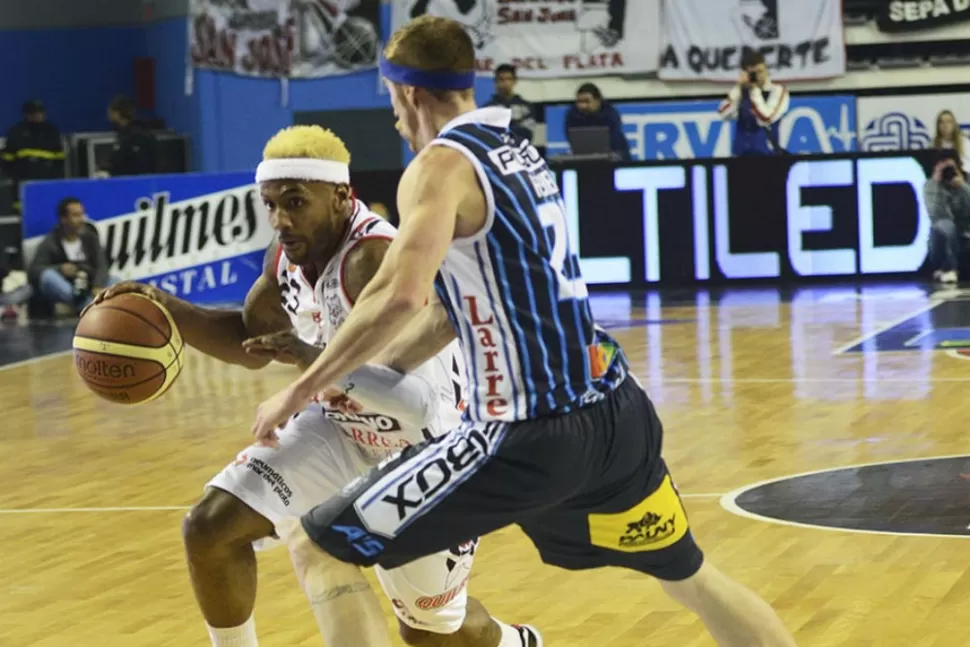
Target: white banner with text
706 40
552 38
284 38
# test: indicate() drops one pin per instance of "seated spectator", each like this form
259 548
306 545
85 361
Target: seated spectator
34 149
758 105
949 136
69 266
523 114
14 290
134 152
591 110
947 198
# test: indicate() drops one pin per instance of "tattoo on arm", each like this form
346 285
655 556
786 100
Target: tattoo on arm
338 591
263 311
361 265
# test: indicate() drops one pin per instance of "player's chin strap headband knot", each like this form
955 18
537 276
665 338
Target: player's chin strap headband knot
405 75
303 168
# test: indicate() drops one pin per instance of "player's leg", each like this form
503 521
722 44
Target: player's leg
251 500
218 534
344 604
430 497
430 599
640 523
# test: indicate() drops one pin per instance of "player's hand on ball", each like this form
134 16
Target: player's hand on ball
283 346
127 287
273 413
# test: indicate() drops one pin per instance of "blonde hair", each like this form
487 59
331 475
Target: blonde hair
957 136
311 142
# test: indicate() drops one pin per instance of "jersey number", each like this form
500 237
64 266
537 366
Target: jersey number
553 218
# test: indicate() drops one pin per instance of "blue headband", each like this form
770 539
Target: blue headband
405 75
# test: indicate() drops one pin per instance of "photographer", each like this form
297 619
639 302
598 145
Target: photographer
758 105
947 199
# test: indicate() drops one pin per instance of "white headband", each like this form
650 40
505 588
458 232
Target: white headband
303 168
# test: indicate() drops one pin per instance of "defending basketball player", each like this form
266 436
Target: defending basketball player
557 437
330 246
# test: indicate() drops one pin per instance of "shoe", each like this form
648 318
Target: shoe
949 277
530 635
938 275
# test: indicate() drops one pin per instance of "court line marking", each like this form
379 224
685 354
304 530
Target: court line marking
174 508
883 328
146 508
729 500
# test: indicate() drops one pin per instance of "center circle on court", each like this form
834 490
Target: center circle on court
925 496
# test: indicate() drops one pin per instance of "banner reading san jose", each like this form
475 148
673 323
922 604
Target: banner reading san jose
551 38
706 39
284 38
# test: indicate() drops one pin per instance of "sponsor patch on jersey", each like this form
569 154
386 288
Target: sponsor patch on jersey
656 522
601 357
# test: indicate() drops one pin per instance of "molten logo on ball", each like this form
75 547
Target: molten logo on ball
101 368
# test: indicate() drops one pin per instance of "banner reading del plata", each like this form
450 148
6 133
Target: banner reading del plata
284 38
552 38
706 39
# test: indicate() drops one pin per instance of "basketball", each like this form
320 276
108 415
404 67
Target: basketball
127 349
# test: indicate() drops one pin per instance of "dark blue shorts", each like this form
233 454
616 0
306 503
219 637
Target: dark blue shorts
589 488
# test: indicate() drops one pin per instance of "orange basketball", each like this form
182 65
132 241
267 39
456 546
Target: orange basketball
127 349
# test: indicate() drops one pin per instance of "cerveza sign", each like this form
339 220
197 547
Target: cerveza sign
783 218
198 236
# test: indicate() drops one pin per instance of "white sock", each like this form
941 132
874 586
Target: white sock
517 637
242 636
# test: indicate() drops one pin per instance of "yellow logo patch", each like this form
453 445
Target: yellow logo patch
656 522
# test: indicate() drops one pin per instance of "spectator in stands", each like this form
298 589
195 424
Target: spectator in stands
70 266
134 152
523 114
758 105
949 136
14 290
947 199
592 110
34 149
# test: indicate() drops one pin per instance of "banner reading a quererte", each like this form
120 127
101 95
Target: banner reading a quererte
552 38
285 38
911 15
706 39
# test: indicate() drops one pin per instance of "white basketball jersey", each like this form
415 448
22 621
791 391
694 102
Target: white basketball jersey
317 313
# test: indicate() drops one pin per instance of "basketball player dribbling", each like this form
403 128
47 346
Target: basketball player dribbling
558 437
329 247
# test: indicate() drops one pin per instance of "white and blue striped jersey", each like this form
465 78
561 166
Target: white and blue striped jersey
513 290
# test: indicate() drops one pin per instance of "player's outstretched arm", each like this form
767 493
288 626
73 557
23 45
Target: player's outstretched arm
219 332
429 195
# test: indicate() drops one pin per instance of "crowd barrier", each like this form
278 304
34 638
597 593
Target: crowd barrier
790 219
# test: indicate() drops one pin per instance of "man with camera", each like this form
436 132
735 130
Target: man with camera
947 199
758 105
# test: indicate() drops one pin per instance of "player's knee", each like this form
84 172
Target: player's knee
219 522
692 591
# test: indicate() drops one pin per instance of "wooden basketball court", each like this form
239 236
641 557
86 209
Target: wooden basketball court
752 385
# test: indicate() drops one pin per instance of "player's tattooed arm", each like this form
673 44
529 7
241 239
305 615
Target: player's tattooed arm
362 263
220 332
